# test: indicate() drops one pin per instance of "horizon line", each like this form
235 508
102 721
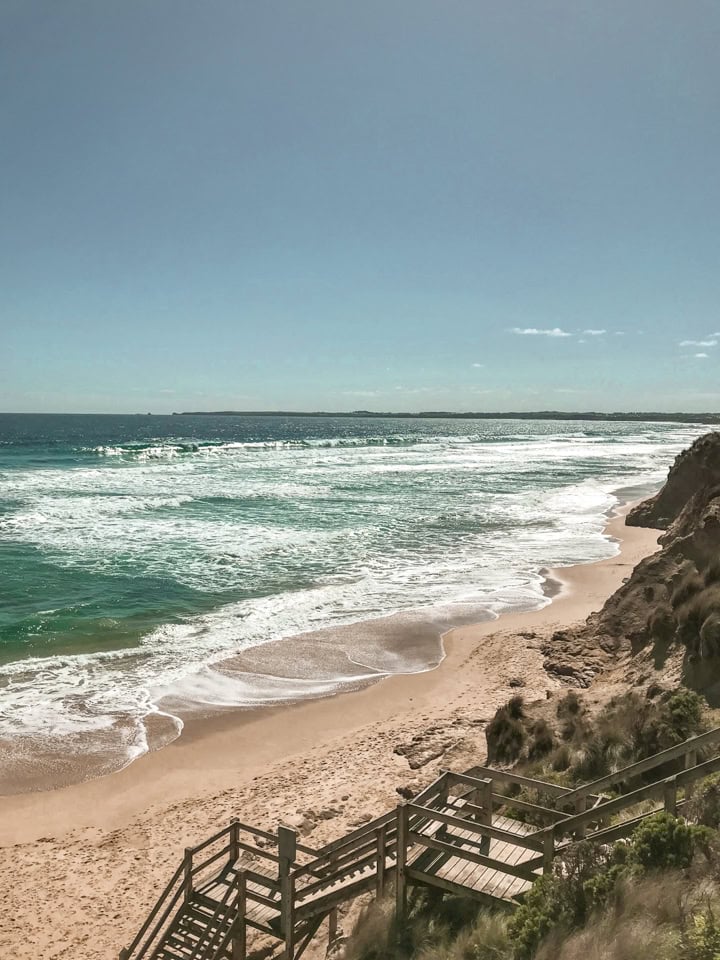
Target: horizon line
700 417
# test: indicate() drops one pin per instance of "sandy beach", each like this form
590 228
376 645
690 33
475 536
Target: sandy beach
94 855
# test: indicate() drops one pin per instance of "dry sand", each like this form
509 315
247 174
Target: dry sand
81 866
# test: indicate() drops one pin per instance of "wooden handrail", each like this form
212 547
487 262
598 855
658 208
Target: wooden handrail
500 801
649 763
698 772
364 828
210 840
197 868
433 789
504 776
153 913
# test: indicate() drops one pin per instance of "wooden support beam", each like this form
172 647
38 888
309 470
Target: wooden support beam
187 872
400 877
234 840
690 761
287 851
238 944
580 807
380 835
332 926
548 849
670 796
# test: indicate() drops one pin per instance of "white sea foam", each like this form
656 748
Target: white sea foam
287 537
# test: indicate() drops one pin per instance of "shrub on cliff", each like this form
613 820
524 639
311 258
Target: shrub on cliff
572 715
590 879
630 728
686 588
702 608
704 808
663 842
661 624
711 574
542 740
505 734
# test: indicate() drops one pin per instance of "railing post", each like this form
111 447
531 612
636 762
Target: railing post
690 761
444 787
443 797
124 955
580 807
332 926
400 878
485 796
238 946
287 851
380 862
187 880
234 840
548 849
670 796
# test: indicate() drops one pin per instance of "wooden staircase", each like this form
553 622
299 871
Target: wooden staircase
458 835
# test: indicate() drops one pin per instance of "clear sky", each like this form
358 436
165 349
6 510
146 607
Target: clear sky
457 204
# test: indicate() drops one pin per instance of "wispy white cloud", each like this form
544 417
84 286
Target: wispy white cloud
701 356
699 343
478 365
619 333
361 393
593 333
535 332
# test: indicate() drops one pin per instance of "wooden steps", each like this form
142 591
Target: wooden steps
455 836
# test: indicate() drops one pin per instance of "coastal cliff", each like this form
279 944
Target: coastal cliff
667 613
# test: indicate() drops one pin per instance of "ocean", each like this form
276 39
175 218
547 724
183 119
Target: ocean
152 567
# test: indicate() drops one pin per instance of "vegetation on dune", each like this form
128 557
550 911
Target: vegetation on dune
658 893
690 614
629 728
655 896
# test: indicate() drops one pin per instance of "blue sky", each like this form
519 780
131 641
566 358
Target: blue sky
384 205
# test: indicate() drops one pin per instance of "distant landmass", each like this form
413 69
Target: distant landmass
653 417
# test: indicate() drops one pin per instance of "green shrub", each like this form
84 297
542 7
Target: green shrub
515 706
572 716
561 758
543 740
663 842
704 808
505 734
684 710
701 940
563 900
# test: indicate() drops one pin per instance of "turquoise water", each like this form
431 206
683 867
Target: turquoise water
138 553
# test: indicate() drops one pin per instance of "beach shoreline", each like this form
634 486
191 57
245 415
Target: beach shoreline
100 850
245 741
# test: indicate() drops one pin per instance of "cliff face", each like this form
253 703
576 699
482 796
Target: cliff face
670 606
692 483
672 598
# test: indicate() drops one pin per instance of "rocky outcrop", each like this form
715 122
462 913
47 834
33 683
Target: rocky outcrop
670 605
672 599
691 482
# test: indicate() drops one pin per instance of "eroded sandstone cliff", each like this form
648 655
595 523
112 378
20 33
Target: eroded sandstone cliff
670 606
